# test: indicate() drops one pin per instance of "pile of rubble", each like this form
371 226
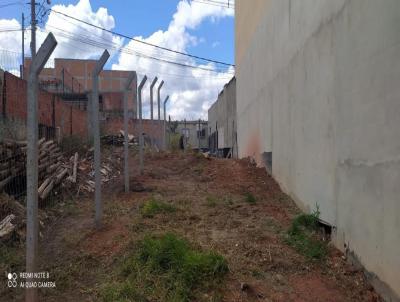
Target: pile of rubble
110 170
118 139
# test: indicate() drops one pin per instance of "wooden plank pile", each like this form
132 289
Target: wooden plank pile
12 161
51 167
55 170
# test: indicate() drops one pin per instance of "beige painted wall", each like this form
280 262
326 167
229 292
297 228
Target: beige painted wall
318 86
248 14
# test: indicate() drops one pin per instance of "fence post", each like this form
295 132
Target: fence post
96 135
38 62
131 77
151 97
141 124
165 122
158 99
198 134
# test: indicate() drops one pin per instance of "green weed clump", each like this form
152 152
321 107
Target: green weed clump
211 201
153 207
166 268
303 236
249 197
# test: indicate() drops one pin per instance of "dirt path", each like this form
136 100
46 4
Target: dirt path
214 213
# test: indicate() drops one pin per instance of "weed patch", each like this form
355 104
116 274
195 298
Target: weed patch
166 268
249 198
11 257
303 236
153 207
211 201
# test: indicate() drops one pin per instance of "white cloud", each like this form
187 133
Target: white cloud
191 90
67 32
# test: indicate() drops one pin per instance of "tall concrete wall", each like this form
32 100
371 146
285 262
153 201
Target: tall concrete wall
318 86
222 116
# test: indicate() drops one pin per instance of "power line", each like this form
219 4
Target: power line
143 42
100 44
214 3
10 4
9 30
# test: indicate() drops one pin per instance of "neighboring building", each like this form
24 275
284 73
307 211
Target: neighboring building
73 77
318 102
222 122
194 133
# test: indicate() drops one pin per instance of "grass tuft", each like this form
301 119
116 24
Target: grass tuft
153 207
211 201
303 236
166 268
249 197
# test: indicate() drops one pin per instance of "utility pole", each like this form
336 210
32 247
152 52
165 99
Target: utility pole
23 46
33 29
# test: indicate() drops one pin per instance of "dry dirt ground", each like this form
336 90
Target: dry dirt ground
212 214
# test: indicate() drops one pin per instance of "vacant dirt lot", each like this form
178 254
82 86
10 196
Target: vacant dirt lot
227 206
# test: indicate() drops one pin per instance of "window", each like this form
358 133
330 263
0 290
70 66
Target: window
186 132
201 133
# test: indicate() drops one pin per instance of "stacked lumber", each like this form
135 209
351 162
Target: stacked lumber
56 172
51 167
12 160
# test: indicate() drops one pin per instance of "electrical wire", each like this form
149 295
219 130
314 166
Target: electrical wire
11 4
214 3
108 45
143 42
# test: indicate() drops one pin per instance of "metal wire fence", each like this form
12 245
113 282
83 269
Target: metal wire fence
66 159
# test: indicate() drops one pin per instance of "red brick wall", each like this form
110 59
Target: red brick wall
53 112
153 129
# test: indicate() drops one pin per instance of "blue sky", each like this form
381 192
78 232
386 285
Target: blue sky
199 29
